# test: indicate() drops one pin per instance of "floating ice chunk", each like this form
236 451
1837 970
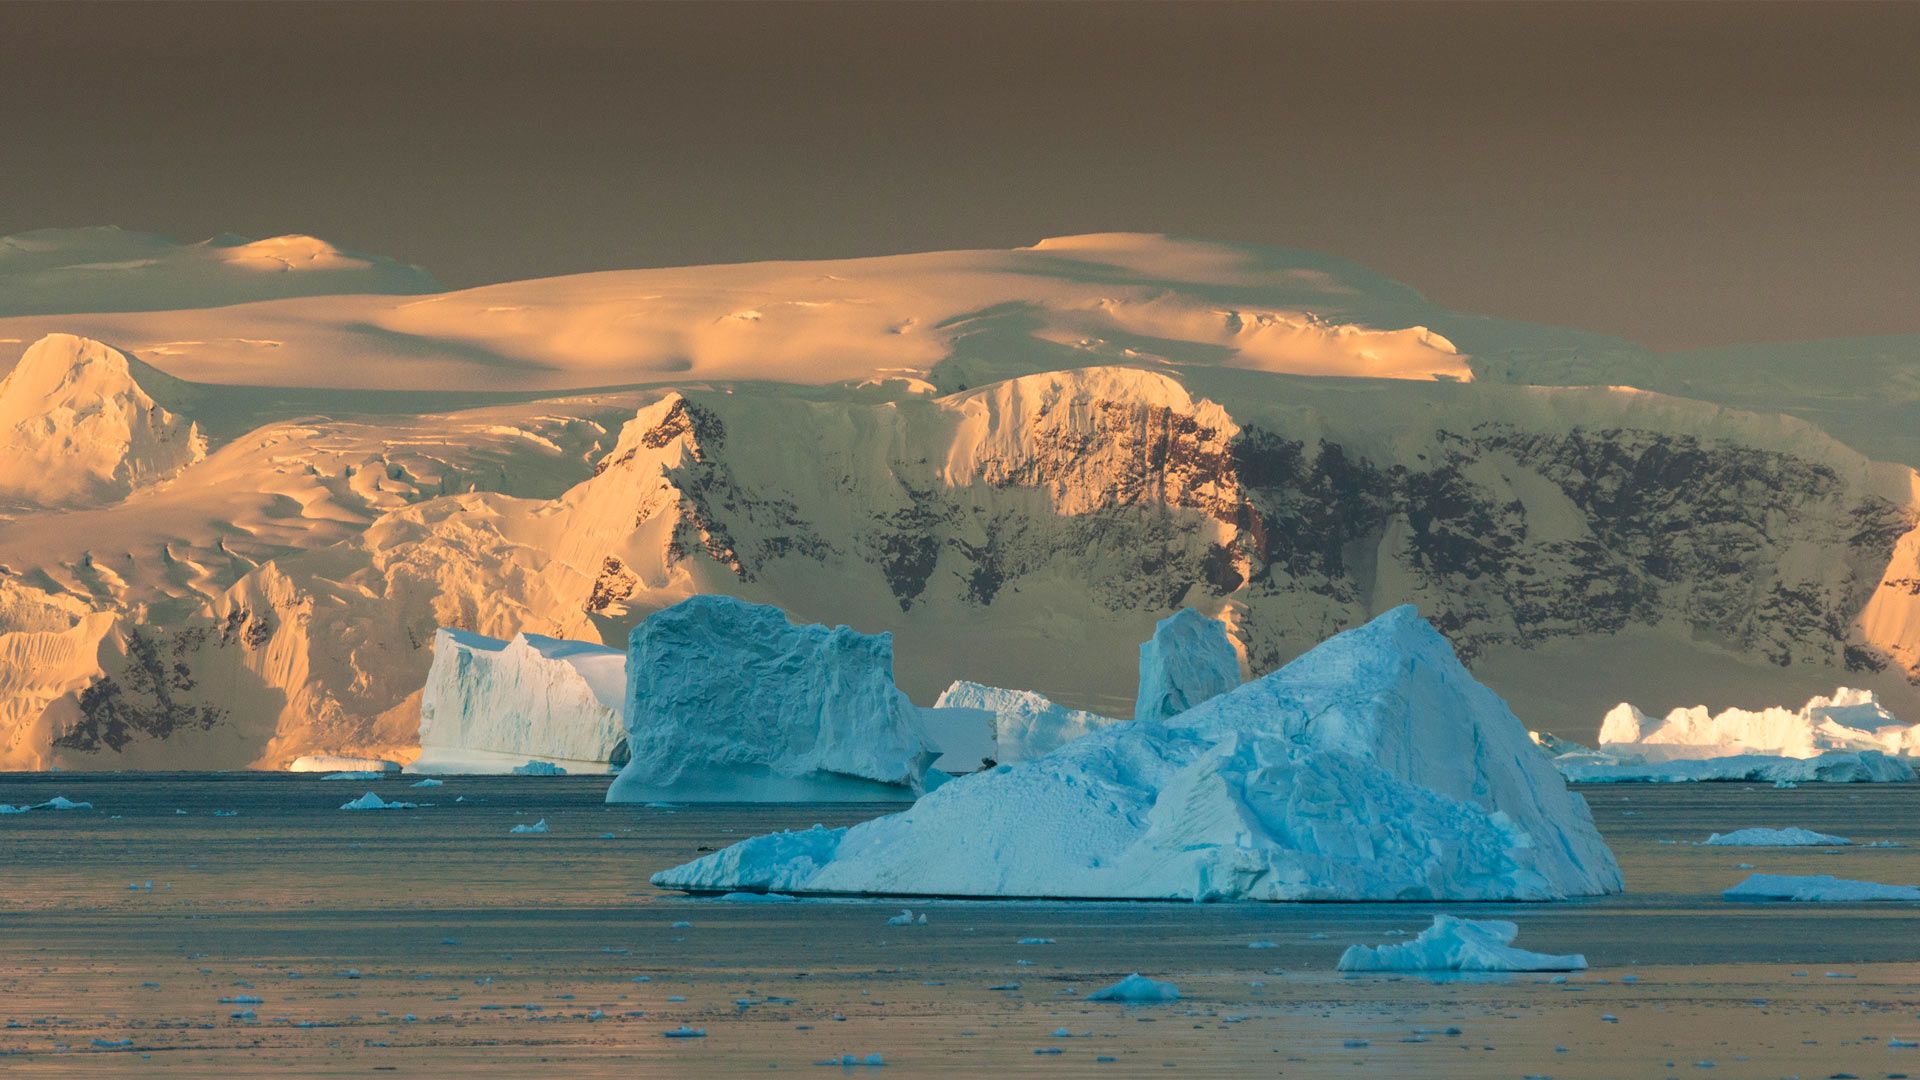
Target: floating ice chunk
1025 724
685 1032
371 801
353 776
848 1061
327 763
728 700
1866 766
428 782
1034 941
1188 659
907 918
1816 888
537 827
1455 944
1788 837
539 768
1371 768
1261 945
1137 988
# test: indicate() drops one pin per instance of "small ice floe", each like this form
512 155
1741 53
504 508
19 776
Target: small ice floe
1455 944
226 813
428 782
1789 837
1034 941
370 801
908 918
685 1032
848 1061
1261 945
139 886
58 802
606 836
1744 866
1005 986
1785 784
1884 844
243 999
242 1014
1137 988
756 897
1816 888
120 1044
354 776
1897 1043
539 768
682 925
537 827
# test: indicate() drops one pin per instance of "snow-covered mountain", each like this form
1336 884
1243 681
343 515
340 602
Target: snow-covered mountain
1017 462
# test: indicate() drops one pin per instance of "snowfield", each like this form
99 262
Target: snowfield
229 534
1372 768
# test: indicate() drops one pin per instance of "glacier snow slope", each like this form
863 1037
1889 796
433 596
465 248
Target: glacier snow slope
1149 423
1371 768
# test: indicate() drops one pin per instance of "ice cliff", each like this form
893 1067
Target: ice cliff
1373 767
1025 724
729 701
491 705
1188 659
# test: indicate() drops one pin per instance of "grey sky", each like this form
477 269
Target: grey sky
1690 174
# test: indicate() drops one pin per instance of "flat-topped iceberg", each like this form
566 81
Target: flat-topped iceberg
1788 837
1371 768
1816 888
1849 721
1454 944
491 706
328 763
1866 766
729 701
1025 724
1188 660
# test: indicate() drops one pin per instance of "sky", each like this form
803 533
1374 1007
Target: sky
1680 175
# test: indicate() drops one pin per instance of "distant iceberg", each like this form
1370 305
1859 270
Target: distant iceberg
1850 721
1373 767
1188 660
1788 837
1816 888
1025 724
729 701
493 706
328 763
1867 766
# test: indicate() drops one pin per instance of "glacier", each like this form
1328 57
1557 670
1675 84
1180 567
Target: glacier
1188 660
492 706
1025 724
1456 944
1373 767
730 701
1850 720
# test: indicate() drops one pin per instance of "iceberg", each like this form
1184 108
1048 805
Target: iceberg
1189 659
58 802
1455 944
965 737
371 801
1849 721
1866 766
329 763
492 706
1025 724
729 701
1816 888
1789 837
1137 989
1373 767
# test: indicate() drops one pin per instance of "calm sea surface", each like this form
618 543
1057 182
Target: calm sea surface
434 943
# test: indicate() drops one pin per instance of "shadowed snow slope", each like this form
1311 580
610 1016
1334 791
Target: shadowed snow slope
729 701
54 271
1371 768
79 425
490 705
